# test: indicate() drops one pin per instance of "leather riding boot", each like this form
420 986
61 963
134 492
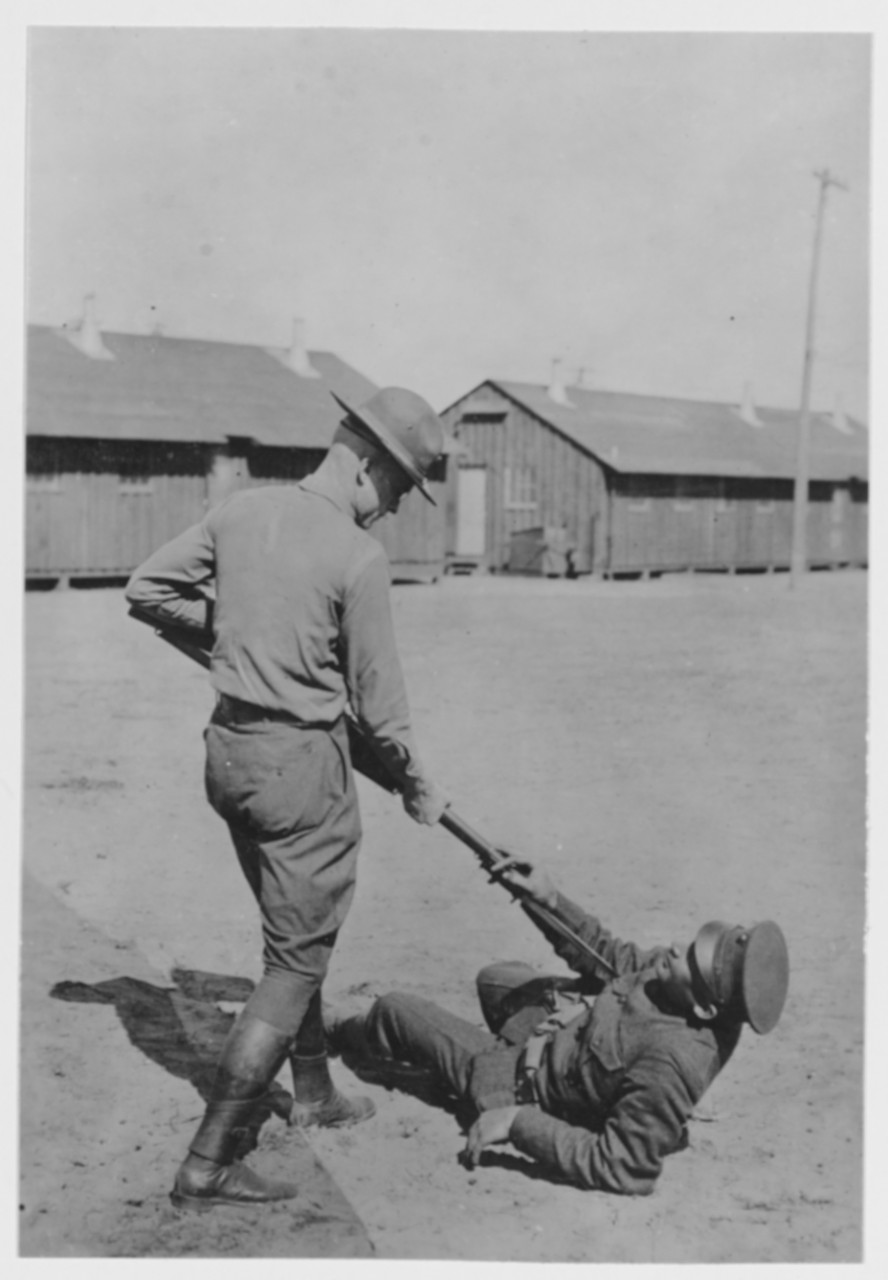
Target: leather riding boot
251 1057
211 1174
317 1101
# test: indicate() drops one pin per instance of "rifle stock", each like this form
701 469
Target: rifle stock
365 761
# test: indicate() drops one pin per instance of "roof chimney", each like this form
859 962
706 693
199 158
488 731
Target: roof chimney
87 338
838 418
556 390
297 357
747 411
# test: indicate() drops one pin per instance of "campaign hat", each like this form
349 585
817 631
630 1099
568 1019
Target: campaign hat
744 972
404 426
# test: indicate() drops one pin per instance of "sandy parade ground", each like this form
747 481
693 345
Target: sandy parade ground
677 750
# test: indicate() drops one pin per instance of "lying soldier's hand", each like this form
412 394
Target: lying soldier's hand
531 878
490 1128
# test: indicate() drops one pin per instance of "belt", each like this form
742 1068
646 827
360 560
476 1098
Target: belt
239 712
527 1090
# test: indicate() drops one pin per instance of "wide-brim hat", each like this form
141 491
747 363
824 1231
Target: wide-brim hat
405 426
744 971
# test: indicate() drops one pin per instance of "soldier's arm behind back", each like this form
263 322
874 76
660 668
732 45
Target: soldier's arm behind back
175 584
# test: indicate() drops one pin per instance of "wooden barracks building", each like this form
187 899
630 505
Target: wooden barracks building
558 478
130 438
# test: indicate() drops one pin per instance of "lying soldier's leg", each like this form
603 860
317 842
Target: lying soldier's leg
407 1028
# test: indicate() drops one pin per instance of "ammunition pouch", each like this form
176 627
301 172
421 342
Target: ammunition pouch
531 1057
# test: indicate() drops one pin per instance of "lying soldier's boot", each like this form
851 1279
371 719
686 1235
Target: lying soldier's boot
345 1033
210 1176
316 1100
335 1112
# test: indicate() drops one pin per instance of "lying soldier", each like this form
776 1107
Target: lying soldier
594 1077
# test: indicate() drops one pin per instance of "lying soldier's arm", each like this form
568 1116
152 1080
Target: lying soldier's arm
647 1124
621 957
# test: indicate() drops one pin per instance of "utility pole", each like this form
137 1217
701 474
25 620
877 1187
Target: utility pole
798 560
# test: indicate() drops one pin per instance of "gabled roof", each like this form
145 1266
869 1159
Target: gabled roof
660 435
183 389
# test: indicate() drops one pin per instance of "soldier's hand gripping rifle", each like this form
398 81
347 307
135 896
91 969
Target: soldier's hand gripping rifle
198 646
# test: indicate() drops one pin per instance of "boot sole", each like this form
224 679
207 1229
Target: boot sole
204 1203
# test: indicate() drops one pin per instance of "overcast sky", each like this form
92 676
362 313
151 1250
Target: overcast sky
442 207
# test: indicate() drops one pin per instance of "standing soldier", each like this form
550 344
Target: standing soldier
293 595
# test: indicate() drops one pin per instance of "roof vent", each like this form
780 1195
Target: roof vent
838 419
747 411
297 357
87 336
556 389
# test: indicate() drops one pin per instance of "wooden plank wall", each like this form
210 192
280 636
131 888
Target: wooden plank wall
88 527
100 508
728 525
858 522
571 492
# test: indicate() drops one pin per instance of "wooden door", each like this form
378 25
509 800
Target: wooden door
471 511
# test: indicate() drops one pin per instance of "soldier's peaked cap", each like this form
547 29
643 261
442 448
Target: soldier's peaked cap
744 971
405 426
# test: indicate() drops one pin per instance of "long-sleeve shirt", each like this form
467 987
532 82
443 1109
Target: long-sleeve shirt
296 596
617 1086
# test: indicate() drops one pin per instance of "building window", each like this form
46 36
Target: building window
766 506
639 504
521 488
477 416
48 482
725 504
135 484
481 413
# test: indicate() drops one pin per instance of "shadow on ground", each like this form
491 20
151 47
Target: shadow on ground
181 1028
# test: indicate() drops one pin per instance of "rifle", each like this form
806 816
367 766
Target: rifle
198 646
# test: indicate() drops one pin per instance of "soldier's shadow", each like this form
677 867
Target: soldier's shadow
181 1028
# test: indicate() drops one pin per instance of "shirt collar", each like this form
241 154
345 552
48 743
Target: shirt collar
327 487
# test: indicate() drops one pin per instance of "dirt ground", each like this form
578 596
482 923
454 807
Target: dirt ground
676 750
